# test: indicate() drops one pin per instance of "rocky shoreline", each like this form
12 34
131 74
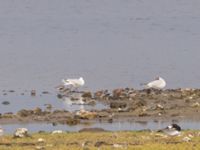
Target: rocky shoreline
123 104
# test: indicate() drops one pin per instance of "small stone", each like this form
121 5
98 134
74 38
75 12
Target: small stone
40 147
159 106
57 132
5 103
33 92
87 94
21 132
11 91
186 139
41 140
45 92
195 104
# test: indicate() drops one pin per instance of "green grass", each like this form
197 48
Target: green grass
103 140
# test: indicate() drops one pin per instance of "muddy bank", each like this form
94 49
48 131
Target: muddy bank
123 104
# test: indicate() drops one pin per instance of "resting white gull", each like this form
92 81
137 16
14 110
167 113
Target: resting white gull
159 83
75 83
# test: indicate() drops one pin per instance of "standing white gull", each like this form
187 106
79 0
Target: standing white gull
159 83
75 83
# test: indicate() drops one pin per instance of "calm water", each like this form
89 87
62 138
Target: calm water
117 126
115 43
110 43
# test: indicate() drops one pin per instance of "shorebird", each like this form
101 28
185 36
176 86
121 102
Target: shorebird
1 131
75 83
172 130
159 83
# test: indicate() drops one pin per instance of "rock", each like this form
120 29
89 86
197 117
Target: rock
72 121
24 113
117 93
83 114
48 106
87 94
41 140
11 91
45 92
5 103
57 132
195 104
33 92
118 105
40 147
100 143
59 96
20 133
186 139
159 106
37 111
92 130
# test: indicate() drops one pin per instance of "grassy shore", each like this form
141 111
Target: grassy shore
141 140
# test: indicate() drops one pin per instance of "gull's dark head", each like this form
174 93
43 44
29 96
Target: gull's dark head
174 126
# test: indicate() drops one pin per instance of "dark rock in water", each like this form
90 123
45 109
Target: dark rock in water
72 121
33 92
117 93
24 113
48 106
11 91
45 92
5 102
22 93
54 123
5 94
118 105
37 111
87 94
59 96
92 130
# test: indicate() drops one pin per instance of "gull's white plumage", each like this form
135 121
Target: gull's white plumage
159 83
76 83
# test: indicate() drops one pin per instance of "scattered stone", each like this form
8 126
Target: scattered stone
41 140
100 143
37 111
186 139
118 105
5 103
11 91
57 132
59 96
72 121
20 133
92 130
159 106
40 147
33 92
48 106
87 94
24 113
83 114
45 92
195 104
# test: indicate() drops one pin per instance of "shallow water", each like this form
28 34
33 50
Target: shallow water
117 126
26 101
111 44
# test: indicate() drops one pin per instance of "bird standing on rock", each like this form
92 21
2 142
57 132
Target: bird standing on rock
159 83
75 83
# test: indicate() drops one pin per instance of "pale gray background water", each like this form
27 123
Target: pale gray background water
111 43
